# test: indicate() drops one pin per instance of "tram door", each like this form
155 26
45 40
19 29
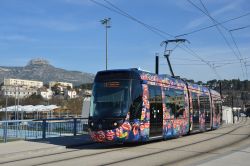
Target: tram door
196 114
207 113
156 112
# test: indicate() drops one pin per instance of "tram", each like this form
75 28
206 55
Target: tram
132 105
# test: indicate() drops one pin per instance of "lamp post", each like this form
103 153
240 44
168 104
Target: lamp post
6 105
232 102
106 23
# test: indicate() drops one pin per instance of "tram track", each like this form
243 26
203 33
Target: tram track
177 148
79 148
140 156
200 154
117 148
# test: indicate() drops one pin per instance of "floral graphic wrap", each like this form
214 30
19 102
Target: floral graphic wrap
132 129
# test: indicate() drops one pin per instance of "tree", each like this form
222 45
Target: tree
87 86
212 83
75 105
56 89
69 88
34 99
200 82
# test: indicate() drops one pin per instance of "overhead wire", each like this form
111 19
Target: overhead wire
206 12
237 48
235 43
215 65
177 45
135 19
211 26
212 61
191 52
119 11
154 30
239 56
235 29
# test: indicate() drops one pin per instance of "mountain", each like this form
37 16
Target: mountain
41 70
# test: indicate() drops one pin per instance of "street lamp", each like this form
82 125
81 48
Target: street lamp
106 23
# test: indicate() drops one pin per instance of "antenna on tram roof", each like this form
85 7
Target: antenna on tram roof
168 52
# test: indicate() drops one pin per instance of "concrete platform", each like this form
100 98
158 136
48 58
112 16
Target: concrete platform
229 145
27 146
239 157
67 141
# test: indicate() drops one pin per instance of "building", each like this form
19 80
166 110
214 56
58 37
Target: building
45 93
227 114
17 91
19 88
63 88
70 93
86 107
20 82
60 84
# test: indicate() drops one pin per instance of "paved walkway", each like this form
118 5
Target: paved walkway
22 149
237 158
22 146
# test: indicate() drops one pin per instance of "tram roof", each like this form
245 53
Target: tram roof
136 73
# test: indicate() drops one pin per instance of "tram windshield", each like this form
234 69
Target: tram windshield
110 99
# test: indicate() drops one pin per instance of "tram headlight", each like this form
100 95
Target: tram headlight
115 124
92 123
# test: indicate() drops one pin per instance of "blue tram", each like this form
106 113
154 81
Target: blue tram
137 106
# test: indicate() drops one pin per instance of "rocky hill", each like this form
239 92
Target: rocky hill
41 70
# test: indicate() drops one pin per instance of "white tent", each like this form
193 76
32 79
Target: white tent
29 108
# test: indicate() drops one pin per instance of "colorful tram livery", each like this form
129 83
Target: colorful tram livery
136 106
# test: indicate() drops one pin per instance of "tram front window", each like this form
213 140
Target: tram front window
110 99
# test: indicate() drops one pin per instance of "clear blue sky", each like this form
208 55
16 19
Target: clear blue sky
68 34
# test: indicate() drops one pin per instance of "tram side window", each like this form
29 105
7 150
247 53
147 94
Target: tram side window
202 104
180 103
207 106
175 102
155 95
151 91
217 107
170 100
195 105
136 96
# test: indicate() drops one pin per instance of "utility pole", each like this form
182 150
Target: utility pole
156 63
232 100
168 52
6 105
106 23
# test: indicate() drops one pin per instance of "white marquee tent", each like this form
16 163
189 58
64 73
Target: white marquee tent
29 108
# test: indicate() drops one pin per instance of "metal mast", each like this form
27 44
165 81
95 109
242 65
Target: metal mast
106 23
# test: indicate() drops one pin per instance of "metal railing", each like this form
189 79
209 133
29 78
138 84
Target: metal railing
42 128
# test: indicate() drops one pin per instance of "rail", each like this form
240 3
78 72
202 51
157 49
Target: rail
42 128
